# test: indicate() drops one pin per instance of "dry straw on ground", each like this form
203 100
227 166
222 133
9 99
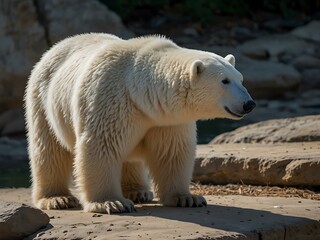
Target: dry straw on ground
255 191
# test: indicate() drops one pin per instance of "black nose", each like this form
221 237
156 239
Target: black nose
249 106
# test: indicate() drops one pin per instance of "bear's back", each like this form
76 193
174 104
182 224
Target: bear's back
76 44
67 57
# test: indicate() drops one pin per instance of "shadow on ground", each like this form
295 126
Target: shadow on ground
231 219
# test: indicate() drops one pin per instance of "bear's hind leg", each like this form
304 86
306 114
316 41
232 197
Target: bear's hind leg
135 182
51 167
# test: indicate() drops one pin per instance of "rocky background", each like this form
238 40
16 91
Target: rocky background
277 50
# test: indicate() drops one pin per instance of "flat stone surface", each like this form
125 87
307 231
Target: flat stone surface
283 164
18 220
299 129
228 217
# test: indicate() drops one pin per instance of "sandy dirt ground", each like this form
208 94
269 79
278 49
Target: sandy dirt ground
225 217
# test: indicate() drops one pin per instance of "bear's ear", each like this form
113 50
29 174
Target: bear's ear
230 58
196 68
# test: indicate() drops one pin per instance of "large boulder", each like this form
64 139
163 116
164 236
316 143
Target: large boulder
28 28
299 129
19 220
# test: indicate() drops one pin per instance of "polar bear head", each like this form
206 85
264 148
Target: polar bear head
217 87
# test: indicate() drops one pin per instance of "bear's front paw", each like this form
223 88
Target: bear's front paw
187 200
139 196
112 206
59 202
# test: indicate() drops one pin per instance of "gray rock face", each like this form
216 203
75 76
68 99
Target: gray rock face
22 41
300 129
309 32
285 164
19 220
62 19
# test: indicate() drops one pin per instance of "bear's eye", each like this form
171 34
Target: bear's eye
225 81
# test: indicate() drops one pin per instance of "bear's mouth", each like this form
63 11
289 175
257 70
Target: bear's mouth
232 113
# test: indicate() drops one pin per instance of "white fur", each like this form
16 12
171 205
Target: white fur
98 104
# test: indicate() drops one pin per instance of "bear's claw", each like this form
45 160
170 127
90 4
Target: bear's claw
139 196
186 201
58 202
115 206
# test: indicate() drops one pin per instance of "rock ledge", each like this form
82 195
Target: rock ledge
283 164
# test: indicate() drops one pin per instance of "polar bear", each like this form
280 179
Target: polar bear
112 108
